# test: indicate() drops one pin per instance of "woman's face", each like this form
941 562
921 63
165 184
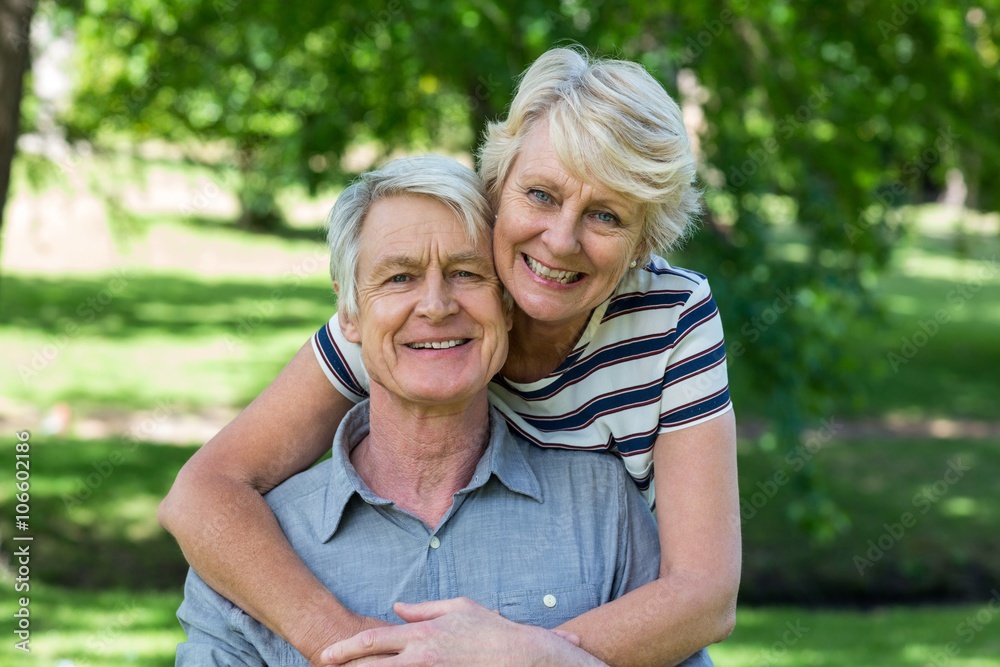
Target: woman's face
561 245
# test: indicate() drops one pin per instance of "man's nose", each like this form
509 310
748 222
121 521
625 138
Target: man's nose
562 234
437 300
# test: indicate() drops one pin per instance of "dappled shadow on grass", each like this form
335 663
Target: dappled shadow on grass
284 231
93 514
891 637
945 553
124 305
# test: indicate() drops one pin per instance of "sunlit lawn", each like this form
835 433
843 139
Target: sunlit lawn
108 579
119 628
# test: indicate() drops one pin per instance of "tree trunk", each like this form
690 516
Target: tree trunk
15 42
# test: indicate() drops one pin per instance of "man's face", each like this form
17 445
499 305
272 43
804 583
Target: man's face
431 325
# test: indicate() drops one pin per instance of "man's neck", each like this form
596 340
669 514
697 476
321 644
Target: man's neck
418 458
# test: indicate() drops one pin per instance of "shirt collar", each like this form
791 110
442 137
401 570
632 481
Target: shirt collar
504 457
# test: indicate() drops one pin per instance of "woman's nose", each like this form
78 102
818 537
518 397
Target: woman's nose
561 235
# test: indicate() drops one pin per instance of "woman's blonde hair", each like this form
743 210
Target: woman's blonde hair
610 122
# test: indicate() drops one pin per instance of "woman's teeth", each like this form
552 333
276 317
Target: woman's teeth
442 345
564 277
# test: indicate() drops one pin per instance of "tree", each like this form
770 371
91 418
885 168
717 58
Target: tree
15 42
821 119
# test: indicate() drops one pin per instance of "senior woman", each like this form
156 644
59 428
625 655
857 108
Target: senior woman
611 349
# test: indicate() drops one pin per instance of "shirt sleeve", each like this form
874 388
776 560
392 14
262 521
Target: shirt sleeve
211 639
695 383
638 558
341 361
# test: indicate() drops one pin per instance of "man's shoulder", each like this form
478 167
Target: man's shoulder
576 473
299 488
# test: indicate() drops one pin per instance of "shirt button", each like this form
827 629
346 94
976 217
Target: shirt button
435 543
549 601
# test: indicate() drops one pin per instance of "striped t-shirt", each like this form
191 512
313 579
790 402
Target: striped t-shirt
651 360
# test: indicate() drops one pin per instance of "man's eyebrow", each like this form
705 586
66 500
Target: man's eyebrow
470 258
409 262
393 262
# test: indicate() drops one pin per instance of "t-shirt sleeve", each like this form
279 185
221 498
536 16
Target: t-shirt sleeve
340 360
695 383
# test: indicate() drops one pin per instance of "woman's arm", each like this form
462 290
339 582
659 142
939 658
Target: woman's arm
226 529
693 603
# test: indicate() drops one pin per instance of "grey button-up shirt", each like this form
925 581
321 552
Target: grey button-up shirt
542 535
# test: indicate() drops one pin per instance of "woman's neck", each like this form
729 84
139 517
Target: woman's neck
537 348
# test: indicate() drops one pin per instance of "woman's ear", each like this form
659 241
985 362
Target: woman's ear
348 325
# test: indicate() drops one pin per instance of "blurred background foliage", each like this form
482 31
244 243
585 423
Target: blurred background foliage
814 120
821 128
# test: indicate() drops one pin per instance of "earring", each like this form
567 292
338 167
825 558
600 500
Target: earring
633 264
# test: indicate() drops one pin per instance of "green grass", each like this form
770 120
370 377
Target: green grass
159 338
122 628
949 550
110 628
891 637
106 580
93 509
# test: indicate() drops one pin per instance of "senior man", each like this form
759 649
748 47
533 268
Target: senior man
427 496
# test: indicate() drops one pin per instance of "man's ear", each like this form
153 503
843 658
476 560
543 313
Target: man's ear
348 325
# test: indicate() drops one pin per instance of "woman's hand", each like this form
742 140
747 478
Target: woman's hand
458 632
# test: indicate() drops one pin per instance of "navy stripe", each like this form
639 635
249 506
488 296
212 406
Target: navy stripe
616 353
696 409
637 301
639 443
548 444
586 415
652 268
610 355
336 363
699 363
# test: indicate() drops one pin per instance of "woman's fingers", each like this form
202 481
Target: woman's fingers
568 636
426 611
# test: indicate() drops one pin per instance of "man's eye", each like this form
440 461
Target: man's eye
540 196
400 278
466 274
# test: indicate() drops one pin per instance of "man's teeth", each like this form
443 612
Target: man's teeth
442 345
563 277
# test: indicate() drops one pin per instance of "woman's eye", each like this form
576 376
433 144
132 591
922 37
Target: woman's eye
400 278
540 196
604 216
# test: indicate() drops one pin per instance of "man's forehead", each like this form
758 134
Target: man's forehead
428 244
